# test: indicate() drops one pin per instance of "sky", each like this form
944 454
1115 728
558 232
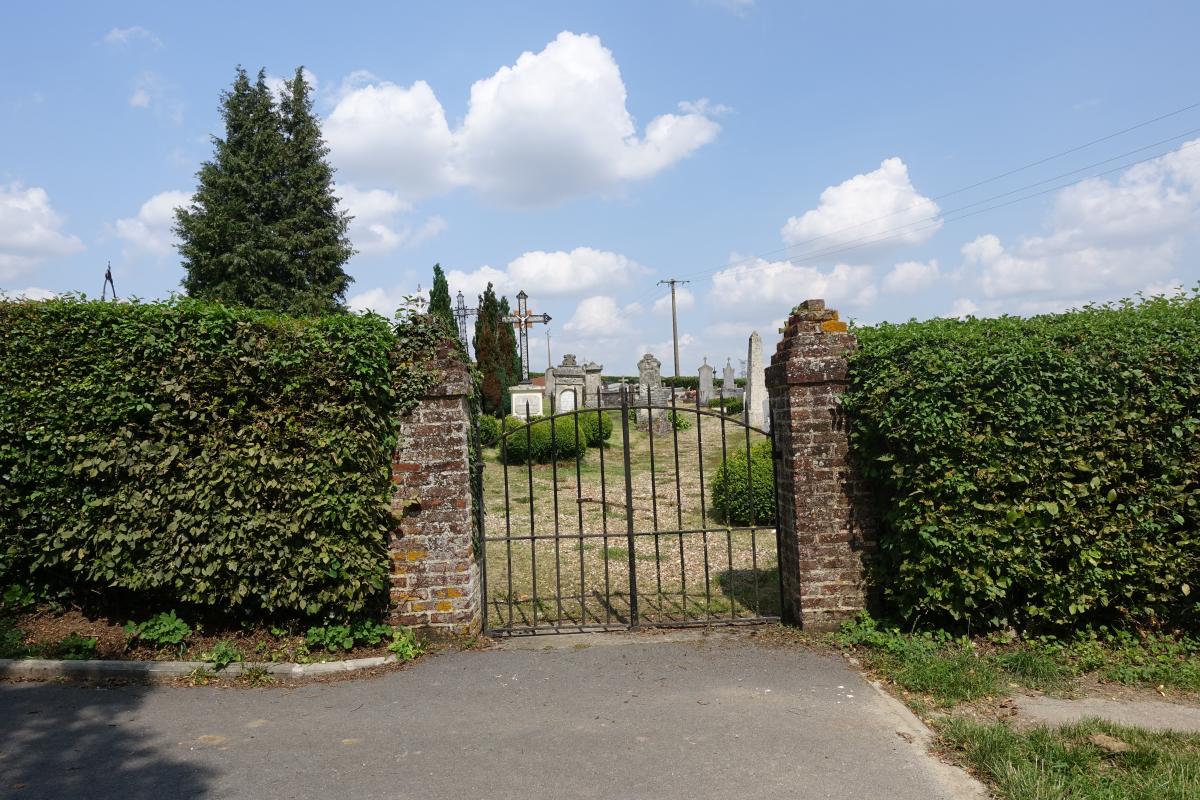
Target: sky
899 161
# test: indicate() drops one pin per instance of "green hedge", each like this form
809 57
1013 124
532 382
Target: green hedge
185 453
536 444
489 430
1041 472
732 501
598 428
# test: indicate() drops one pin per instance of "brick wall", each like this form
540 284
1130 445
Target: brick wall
435 576
827 528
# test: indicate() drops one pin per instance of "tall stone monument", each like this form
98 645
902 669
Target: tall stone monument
591 383
729 382
650 390
756 384
568 384
706 382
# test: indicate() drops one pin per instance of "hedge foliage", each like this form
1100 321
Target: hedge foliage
597 427
543 440
733 501
489 430
1036 472
187 453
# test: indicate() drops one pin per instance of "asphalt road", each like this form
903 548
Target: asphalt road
602 717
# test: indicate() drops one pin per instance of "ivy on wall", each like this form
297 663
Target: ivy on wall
1037 472
187 453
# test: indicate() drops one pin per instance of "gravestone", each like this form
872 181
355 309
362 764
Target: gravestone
706 382
548 389
729 386
591 383
568 384
650 390
756 384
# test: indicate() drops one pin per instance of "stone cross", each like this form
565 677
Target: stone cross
756 384
523 320
706 382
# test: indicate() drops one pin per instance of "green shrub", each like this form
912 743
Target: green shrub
732 500
405 645
729 405
189 454
489 430
1036 472
597 427
160 630
75 647
346 636
543 440
679 422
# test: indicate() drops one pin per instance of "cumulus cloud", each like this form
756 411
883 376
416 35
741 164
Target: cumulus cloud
278 85
772 284
152 93
684 300
30 230
377 226
864 211
601 317
30 293
552 274
553 125
385 302
150 231
120 37
1106 237
911 276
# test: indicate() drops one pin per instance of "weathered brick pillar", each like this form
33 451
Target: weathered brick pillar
435 576
827 528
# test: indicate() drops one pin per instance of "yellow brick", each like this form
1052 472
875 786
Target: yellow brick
451 592
834 326
445 605
417 555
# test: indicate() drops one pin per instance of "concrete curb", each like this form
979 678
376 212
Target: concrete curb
46 669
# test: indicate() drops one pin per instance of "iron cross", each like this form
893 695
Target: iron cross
461 313
522 321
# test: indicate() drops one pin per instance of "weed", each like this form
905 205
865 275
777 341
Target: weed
201 676
17 597
75 647
160 630
405 644
256 677
12 640
223 654
345 637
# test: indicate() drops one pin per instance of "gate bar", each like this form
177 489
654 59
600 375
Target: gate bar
633 595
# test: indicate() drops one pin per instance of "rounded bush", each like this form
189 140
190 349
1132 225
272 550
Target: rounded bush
489 431
597 430
732 500
534 443
564 444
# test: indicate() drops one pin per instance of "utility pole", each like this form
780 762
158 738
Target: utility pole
674 322
549 361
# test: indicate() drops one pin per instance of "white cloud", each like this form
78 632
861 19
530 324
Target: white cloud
600 317
1107 238
385 302
880 207
964 307
150 231
684 300
30 230
152 93
553 274
388 134
30 293
119 37
911 276
771 284
551 126
279 85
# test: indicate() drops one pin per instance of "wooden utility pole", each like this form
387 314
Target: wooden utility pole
674 322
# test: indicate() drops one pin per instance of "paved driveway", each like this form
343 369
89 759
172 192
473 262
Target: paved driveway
610 716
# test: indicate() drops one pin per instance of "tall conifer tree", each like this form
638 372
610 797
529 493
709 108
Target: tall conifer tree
263 228
439 297
487 353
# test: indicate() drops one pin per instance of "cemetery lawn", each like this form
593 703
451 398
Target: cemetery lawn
969 692
581 576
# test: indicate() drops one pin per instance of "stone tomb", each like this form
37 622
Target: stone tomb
567 388
523 394
650 390
706 382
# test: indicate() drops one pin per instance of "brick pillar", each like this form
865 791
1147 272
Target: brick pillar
435 576
826 525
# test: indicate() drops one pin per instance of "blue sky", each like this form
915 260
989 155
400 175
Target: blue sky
767 151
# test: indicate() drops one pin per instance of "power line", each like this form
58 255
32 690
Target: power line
974 185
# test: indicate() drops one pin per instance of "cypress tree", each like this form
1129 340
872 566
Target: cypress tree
487 353
510 355
263 228
439 297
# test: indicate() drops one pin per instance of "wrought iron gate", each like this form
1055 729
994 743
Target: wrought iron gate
628 554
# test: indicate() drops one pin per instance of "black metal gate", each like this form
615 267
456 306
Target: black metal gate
680 537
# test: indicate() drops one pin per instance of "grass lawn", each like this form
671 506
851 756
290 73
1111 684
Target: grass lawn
956 684
576 569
